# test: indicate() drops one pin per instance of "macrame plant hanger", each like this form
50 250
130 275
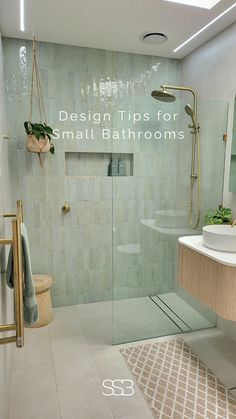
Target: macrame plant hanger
36 85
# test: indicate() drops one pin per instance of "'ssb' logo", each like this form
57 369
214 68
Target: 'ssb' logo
118 387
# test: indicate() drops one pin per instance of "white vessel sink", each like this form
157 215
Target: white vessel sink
220 237
171 218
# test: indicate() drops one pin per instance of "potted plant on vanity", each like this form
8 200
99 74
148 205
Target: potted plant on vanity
221 215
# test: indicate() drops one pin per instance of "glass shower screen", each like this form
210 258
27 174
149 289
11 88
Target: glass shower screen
151 198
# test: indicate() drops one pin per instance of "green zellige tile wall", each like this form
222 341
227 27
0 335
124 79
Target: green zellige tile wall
107 213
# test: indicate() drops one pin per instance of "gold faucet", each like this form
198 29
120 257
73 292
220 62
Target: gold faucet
233 224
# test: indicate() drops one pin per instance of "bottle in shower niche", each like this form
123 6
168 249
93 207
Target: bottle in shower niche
113 168
122 168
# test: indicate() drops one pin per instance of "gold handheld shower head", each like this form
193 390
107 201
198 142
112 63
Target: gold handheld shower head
189 111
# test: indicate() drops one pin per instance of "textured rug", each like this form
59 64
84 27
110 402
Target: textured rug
176 383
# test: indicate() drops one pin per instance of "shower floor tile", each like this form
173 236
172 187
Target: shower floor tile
181 312
140 318
148 317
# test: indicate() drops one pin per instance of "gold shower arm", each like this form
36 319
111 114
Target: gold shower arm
18 326
185 89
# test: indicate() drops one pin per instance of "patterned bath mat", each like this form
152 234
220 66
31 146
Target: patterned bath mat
176 383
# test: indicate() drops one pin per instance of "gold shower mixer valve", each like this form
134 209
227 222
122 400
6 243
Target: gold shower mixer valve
65 208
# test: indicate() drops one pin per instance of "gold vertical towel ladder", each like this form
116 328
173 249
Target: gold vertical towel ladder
15 241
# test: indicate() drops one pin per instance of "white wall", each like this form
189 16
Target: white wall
211 70
6 306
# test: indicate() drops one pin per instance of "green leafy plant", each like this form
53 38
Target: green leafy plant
40 130
219 216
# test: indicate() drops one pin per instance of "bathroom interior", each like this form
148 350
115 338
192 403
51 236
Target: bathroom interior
130 242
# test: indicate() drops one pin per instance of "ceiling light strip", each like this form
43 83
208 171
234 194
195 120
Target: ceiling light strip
205 4
22 15
204 28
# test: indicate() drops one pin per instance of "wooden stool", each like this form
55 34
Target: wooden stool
42 284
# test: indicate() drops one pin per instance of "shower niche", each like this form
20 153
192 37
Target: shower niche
97 164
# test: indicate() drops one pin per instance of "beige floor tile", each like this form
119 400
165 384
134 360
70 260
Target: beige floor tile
124 406
144 414
107 305
85 403
67 349
98 332
112 366
34 394
61 330
217 351
38 409
76 372
31 383
65 312
91 310
36 350
66 323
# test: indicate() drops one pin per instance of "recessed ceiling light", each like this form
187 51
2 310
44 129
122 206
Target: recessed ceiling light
206 4
204 27
153 37
22 15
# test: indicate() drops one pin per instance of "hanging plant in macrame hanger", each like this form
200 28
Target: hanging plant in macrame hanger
39 134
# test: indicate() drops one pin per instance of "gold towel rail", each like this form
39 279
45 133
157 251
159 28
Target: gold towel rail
15 241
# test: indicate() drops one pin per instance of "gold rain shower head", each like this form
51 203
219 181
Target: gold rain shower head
163 95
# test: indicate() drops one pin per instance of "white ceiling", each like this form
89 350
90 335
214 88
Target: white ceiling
114 24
